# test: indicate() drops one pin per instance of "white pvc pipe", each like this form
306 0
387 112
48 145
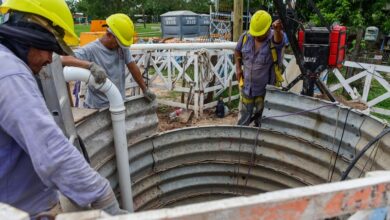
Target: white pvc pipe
184 46
118 113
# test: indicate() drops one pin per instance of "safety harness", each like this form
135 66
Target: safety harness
277 69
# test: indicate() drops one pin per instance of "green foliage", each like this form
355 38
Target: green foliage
354 14
100 9
72 5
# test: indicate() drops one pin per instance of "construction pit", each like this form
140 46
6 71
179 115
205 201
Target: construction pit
289 168
303 141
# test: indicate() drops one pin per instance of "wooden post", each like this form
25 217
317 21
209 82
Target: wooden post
230 92
237 19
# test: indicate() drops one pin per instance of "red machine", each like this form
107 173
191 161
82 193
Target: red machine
321 47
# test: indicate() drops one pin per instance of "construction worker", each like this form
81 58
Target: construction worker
259 51
108 56
37 160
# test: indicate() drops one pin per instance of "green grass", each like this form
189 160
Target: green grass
377 90
78 28
234 103
151 30
387 118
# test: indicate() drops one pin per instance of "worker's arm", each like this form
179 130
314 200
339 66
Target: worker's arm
97 71
238 62
238 59
278 31
25 117
137 76
73 61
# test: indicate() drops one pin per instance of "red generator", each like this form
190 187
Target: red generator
338 38
313 41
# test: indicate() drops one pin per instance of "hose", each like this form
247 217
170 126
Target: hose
368 145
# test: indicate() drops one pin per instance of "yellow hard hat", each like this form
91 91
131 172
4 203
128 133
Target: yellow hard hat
56 11
122 27
260 23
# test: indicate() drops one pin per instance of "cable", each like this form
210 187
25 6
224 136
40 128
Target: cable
341 140
368 71
252 160
369 158
206 73
333 141
376 151
239 161
295 20
373 159
368 145
299 112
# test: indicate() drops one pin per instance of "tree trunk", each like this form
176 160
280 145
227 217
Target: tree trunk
354 56
237 19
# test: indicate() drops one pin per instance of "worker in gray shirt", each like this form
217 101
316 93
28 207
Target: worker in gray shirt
36 159
108 57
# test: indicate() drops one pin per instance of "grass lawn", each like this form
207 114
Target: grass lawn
151 30
78 28
375 91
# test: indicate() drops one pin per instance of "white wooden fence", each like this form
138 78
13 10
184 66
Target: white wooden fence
368 72
209 67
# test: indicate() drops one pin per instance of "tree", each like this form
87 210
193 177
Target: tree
72 5
100 9
355 14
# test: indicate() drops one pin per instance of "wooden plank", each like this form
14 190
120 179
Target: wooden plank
378 99
80 114
381 111
367 86
345 84
349 80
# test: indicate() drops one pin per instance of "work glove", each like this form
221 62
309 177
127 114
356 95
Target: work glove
109 204
98 73
149 95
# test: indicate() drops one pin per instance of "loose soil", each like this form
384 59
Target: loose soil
208 118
